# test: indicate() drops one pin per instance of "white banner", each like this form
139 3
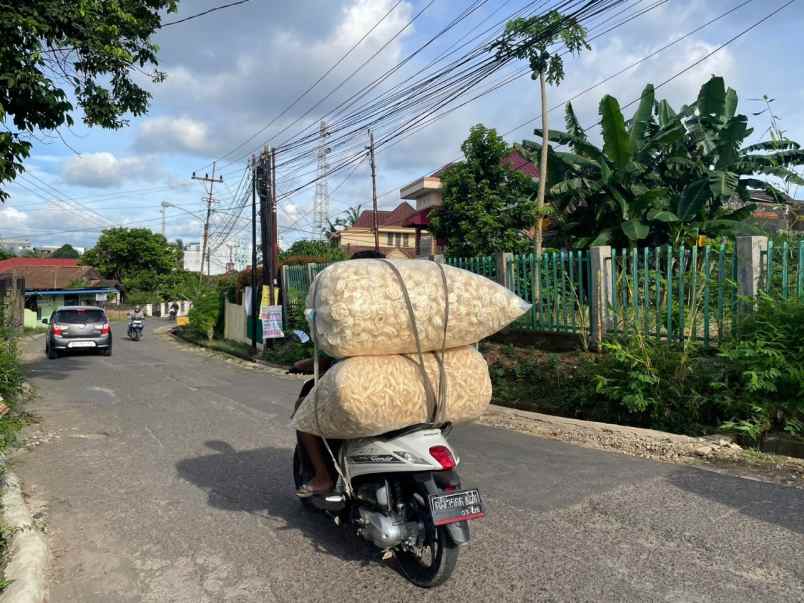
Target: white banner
271 322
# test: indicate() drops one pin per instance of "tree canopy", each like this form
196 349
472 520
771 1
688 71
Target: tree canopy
55 53
487 206
136 257
313 248
66 251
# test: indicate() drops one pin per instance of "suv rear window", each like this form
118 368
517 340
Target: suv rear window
78 317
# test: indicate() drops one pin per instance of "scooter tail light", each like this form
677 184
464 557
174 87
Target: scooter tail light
444 457
58 330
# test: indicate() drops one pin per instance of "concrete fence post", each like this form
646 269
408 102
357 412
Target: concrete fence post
749 264
600 298
503 258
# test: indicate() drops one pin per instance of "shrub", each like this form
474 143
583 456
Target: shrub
655 384
11 376
763 389
206 311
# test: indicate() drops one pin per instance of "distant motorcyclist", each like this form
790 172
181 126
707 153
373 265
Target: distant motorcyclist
136 314
135 321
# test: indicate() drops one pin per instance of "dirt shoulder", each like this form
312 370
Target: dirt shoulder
716 453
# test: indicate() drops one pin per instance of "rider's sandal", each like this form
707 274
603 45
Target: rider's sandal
306 491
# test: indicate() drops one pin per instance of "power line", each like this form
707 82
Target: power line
314 84
201 14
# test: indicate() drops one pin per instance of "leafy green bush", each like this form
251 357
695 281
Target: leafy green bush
655 384
206 311
11 376
763 389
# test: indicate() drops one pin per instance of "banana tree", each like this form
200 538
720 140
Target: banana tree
664 176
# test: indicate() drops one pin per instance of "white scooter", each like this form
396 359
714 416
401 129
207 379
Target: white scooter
401 492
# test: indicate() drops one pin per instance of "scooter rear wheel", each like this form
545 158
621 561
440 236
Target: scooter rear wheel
433 563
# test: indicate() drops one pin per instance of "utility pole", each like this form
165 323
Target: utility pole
374 222
274 229
206 178
164 205
253 255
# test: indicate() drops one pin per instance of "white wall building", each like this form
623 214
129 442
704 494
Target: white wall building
226 258
16 246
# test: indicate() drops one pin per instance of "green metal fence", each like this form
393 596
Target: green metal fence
485 265
664 292
563 303
783 269
674 293
297 281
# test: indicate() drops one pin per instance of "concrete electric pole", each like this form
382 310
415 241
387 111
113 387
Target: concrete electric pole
211 180
374 220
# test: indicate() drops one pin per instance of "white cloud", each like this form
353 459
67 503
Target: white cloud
104 170
168 134
12 218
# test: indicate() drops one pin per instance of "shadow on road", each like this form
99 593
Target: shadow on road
259 481
771 503
61 368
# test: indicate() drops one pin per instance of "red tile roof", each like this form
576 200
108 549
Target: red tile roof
513 160
397 217
16 263
518 163
53 273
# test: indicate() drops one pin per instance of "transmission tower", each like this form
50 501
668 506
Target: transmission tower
321 203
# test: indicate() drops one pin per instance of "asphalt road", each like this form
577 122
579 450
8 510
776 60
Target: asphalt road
164 475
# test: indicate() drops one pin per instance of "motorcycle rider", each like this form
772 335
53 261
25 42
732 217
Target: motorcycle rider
322 481
136 314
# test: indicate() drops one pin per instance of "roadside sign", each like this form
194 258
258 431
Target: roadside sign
271 317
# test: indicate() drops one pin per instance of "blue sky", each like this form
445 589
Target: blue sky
232 72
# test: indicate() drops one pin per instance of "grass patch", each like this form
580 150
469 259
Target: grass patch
532 379
283 353
227 346
35 330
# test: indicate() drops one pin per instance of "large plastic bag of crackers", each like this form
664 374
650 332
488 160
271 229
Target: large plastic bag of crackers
404 330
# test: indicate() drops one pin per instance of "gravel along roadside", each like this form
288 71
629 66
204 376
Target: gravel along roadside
717 453
27 549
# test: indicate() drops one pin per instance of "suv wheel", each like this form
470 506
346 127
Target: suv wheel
52 353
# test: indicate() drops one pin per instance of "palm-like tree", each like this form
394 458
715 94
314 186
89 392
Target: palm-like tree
664 176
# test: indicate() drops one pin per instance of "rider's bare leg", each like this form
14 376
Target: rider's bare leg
322 480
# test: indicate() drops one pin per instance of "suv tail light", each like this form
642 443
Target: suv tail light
105 329
444 457
58 330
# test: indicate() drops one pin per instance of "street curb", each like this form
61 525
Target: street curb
253 364
28 552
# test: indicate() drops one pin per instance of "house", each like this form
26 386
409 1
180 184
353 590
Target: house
777 215
397 240
427 193
53 282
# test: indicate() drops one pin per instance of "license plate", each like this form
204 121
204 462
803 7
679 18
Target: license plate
456 506
81 344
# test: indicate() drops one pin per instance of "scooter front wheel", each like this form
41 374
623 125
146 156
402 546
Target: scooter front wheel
433 563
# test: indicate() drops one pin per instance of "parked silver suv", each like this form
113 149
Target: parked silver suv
78 328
